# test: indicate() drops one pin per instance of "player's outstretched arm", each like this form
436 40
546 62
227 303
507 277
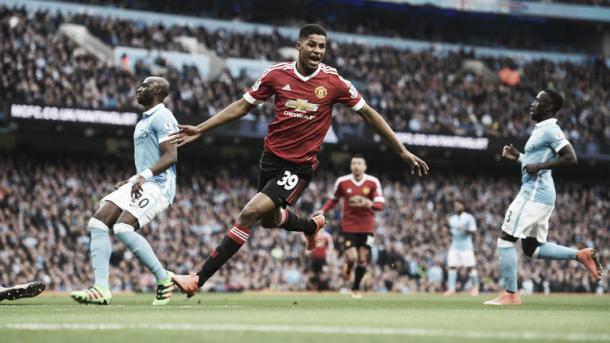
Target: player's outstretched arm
375 120
169 157
328 205
567 157
189 133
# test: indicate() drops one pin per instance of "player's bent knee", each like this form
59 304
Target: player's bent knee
122 227
269 222
529 246
97 224
249 216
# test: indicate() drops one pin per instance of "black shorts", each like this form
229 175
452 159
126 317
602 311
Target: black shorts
283 181
317 264
356 240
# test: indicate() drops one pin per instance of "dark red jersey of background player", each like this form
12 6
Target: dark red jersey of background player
324 244
303 108
357 219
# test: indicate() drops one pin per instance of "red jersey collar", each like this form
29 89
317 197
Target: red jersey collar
358 183
308 77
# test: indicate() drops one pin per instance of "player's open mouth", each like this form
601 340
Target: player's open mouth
314 59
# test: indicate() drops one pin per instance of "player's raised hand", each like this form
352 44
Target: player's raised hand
418 166
186 135
510 152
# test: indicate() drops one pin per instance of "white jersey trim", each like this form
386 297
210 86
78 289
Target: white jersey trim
164 139
356 182
378 184
561 145
251 100
358 106
308 77
154 109
338 182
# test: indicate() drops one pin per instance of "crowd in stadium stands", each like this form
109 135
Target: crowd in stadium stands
229 9
392 20
45 204
416 91
581 2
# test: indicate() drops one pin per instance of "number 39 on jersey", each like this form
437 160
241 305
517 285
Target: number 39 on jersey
289 181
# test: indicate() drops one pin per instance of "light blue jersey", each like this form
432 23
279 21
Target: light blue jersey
462 225
153 129
542 146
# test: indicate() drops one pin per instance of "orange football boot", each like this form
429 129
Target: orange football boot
588 258
312 239
188 284
505 298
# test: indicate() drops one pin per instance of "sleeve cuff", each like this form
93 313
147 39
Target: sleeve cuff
379 199
147 174
360 104
250 99
561 145
164 139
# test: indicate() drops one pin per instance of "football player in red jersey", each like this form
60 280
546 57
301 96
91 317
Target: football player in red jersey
305 92
318 258
362 195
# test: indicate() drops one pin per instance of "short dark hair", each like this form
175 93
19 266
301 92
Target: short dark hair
311 29
556 99
357 156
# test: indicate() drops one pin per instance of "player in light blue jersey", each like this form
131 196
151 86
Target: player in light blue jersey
138 200
527 217
461 252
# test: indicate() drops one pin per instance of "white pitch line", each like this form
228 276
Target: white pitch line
265 328
208 307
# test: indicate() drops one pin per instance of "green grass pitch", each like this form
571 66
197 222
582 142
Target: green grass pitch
302 317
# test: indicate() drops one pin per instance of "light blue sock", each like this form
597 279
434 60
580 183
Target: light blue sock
101 249
508 268
474 279
142 250
552 251
452 279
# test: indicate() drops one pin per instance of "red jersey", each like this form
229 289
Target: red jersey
325 242
303 108
357 219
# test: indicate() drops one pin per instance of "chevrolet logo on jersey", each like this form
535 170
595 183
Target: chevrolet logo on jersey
301 105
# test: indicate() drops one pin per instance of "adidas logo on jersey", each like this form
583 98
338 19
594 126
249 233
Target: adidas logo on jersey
287 88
